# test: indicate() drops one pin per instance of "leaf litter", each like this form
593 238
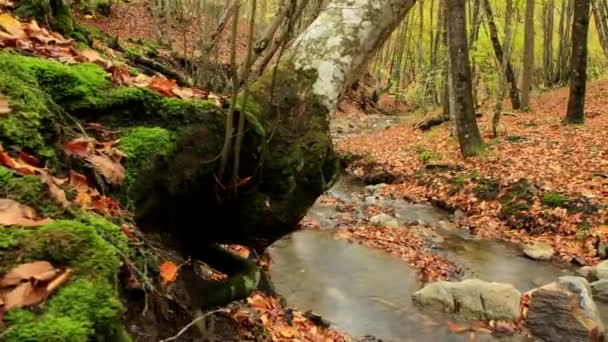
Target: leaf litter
533 146
30 284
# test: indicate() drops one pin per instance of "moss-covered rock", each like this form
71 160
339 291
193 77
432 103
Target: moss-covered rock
30 190
40 91
87 307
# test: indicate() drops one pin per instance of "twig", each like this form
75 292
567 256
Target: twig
195 321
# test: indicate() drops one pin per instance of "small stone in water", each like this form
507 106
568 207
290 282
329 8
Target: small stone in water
538 251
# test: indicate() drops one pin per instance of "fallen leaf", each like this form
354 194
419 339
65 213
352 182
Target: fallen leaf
32 270
121 75
56 192
456 328
19 166
25 294
112 171
168 272
162 86
4 105
13 213
30 159
80 146
57 282
11 25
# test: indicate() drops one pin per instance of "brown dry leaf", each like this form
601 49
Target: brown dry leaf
37 270
141 80
121 76
168 272
9 24
25 294
57 282
4 105
112 171
13 213
56 192
163 86
183 93
80 146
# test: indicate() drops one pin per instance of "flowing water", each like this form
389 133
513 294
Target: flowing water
365 291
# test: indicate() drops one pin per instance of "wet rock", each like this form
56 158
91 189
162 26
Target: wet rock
371 200
600 290
601 270
564 311
587 272
375 187
472 299
384 220
538 251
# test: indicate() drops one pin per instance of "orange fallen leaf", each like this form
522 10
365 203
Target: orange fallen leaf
79 146
10 25
168 272
163 86
13 213
21 167
37 270
456 328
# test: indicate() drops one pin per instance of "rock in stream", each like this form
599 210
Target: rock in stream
472 299
564 311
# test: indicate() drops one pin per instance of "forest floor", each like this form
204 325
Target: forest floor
539 180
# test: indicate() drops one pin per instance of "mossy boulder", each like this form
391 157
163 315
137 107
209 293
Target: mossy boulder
88 306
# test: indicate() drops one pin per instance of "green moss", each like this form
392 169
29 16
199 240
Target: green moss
31 191
131 106
554 199
87 307
39 90
488 189
142 146
10 238
70 243
519 197
80 311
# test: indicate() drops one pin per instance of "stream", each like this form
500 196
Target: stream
364 291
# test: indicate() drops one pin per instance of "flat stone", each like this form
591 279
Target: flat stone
538 251
384 220
564 311
600 290
472 299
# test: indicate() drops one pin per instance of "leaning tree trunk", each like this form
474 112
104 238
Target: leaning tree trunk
464 111
287 159
498 51
578 67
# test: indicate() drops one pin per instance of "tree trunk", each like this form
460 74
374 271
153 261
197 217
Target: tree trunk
578 67
601 22
498 51
464 112
528 65
549 18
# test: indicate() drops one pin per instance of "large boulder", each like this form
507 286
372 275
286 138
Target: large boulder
564 311
472 299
